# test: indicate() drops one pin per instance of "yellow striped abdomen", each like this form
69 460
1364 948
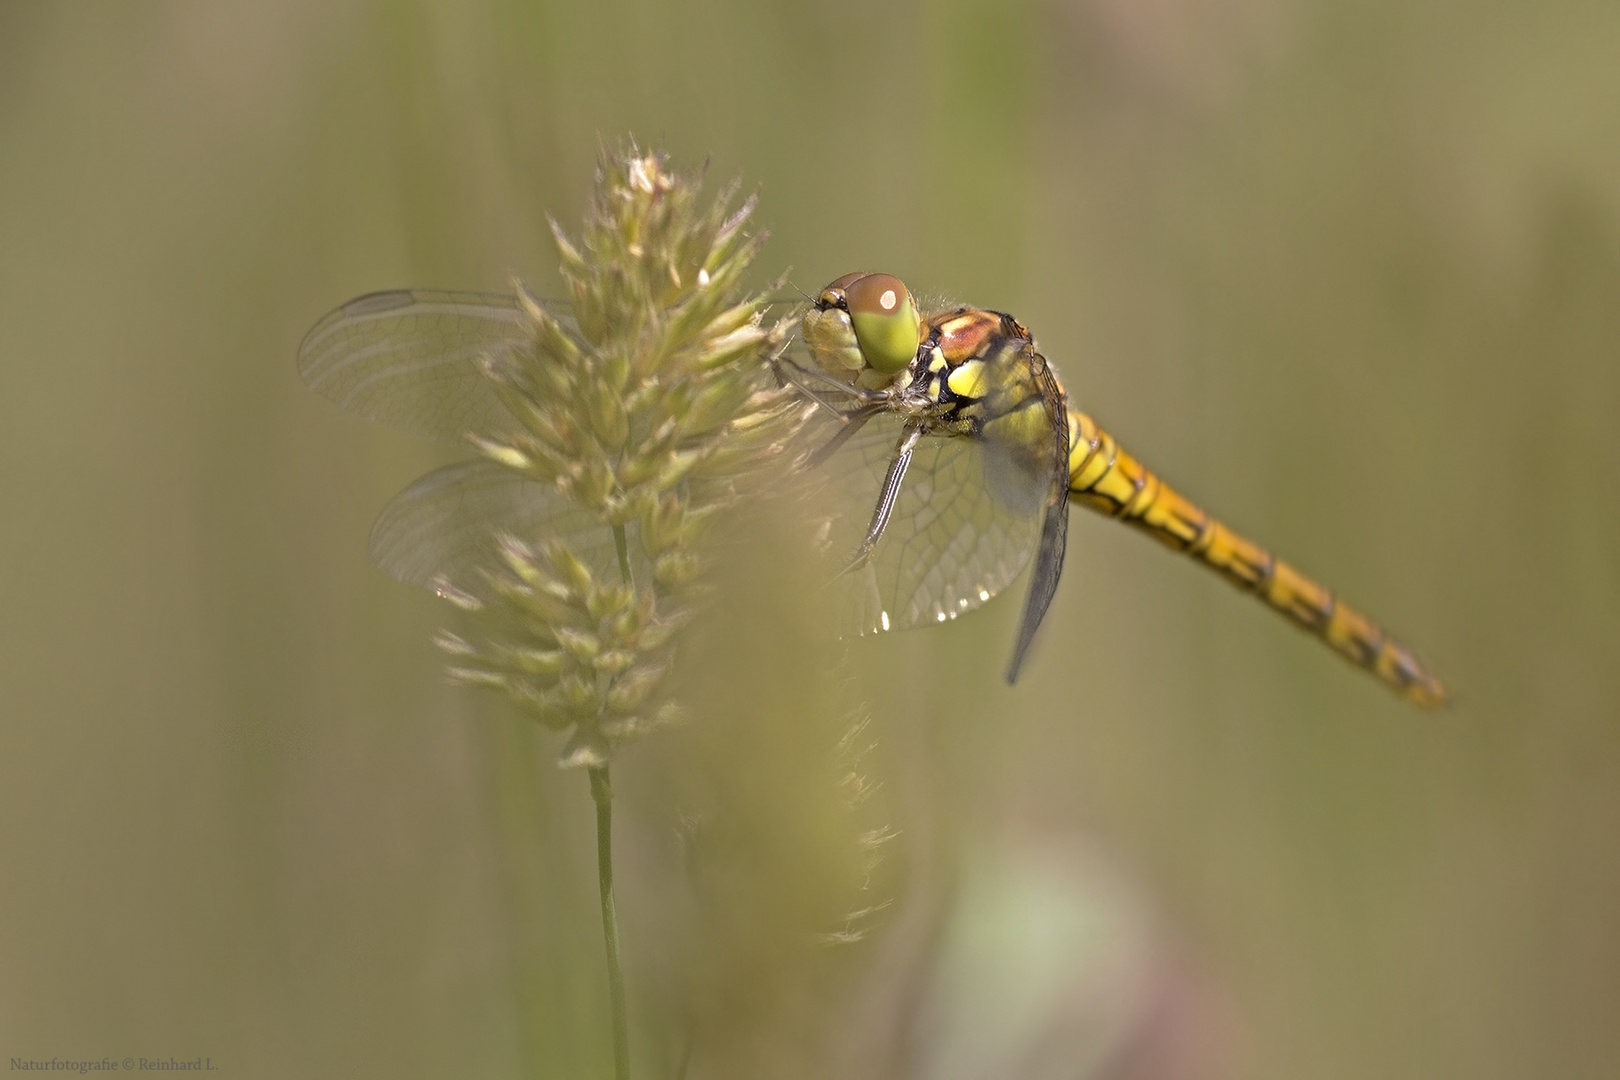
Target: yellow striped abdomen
1107 479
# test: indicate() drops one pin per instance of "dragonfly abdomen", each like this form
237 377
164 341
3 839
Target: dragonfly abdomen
1105 478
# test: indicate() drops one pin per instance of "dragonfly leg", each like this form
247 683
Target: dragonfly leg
801 377
853 421
872 403
884 510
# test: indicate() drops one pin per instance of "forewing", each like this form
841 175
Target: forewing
442 529
408 358
963 527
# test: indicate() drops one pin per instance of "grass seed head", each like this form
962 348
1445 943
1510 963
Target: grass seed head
650 407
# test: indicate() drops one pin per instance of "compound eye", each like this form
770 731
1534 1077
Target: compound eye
887 326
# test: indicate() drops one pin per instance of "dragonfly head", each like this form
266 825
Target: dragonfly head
863 327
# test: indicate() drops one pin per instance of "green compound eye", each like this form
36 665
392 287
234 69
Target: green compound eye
886 323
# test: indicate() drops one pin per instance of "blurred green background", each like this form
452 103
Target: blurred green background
1346 272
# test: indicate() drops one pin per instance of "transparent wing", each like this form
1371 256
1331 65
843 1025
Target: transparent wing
967 520
408 358
1054 461
441 530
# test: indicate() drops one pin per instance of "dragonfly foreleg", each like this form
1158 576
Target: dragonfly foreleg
884 510
801 377
853 421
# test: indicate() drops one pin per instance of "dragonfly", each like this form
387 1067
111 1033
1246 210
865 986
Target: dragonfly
966 382
947 440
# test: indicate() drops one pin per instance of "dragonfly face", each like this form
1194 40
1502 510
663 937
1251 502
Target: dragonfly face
864 327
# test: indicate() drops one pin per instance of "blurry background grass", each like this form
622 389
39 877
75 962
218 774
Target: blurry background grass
1346 272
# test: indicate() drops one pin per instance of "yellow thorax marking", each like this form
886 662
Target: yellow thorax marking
970 379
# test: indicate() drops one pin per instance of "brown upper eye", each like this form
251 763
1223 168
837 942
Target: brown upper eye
876 294
885 322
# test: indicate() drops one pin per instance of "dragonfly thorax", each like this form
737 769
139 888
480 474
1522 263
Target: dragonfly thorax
973 366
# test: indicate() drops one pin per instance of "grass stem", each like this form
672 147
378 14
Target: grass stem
602 793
